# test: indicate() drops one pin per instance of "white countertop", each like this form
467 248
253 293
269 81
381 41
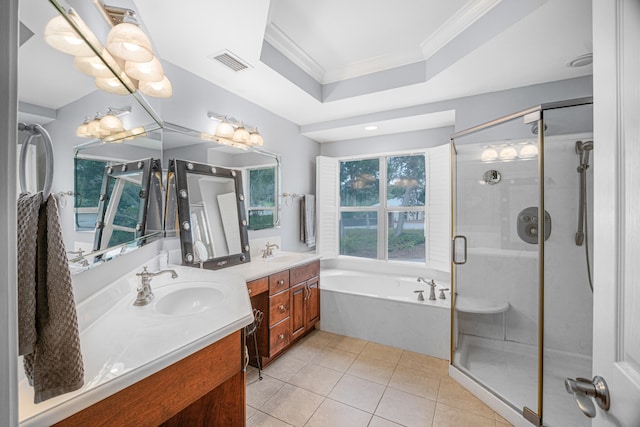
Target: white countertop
122 344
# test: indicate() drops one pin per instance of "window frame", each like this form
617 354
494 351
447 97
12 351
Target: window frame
382 209
247 183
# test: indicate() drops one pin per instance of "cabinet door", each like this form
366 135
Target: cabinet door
313 302
297 306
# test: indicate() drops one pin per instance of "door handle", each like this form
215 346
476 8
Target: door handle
584 389
453 250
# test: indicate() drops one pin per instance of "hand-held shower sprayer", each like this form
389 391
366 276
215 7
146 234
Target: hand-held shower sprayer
583 150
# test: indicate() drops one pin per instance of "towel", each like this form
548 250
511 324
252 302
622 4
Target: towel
308 220
54 363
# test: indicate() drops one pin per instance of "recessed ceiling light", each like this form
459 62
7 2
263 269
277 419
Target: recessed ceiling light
581 61
371 127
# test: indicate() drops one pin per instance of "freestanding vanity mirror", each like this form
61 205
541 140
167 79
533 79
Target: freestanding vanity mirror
211 214
130 203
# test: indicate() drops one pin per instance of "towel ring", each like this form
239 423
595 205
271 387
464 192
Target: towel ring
36 130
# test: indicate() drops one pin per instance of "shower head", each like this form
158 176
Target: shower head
583 149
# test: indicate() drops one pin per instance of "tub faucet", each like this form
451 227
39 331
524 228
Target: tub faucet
432 285
145 295
268 251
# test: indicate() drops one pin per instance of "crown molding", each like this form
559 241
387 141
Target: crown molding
455 25
283 43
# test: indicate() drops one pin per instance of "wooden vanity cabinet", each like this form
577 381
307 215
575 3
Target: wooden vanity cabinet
291 307
206 388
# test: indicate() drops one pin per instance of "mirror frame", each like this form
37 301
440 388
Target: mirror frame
180 169
151 182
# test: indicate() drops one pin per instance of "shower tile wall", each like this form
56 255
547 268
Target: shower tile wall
501 267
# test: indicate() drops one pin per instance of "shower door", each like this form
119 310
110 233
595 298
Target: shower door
496 274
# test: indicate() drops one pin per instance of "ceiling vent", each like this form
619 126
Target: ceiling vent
230 60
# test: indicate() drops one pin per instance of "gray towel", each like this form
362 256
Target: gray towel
54 366
308 220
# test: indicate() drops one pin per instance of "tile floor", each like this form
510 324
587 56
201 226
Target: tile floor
333 380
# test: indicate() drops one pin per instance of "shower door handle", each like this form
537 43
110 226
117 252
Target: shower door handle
583 389
453 250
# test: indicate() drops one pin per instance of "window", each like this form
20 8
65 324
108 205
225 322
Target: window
383 221
262 196
88 183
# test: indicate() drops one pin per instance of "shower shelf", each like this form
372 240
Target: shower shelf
483 306
480 306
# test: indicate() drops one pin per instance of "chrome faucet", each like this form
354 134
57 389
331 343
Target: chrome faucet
268 251
432 284
79 258
145 295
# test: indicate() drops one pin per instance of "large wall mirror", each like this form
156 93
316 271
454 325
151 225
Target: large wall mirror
75 100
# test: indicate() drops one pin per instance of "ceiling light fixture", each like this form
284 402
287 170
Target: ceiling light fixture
581 61
233 133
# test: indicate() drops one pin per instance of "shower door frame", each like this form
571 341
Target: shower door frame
530 115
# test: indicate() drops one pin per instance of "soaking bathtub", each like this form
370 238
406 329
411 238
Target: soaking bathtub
385 309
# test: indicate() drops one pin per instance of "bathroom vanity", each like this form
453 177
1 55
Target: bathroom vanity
290 301
177 361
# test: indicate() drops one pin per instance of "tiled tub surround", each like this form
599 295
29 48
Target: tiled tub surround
385 309
334 380
123 344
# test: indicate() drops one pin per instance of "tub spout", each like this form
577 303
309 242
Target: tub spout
432 285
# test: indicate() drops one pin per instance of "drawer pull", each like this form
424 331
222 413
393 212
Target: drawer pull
281 336
281 282
250 290
281 307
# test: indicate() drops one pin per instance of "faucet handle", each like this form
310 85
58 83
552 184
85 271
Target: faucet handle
144 271
442 295
420 296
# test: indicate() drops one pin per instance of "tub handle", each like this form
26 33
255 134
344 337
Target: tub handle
453 250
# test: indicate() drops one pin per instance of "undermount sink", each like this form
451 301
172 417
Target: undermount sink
282 258
192 300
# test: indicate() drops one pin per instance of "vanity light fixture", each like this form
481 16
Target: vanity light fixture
528 151
105 126
508 153
233 133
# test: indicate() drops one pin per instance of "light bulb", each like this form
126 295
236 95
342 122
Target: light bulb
255 139
127 41
508 153
148 71
111 85
161 89
111 124
241 135
224 130
60 35
488 154
83 131
528 151
92 66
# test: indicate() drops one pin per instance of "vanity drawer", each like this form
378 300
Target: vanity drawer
305 272
278 307
258 286
279 337
278 282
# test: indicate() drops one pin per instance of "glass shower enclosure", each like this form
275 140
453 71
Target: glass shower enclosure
522 302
